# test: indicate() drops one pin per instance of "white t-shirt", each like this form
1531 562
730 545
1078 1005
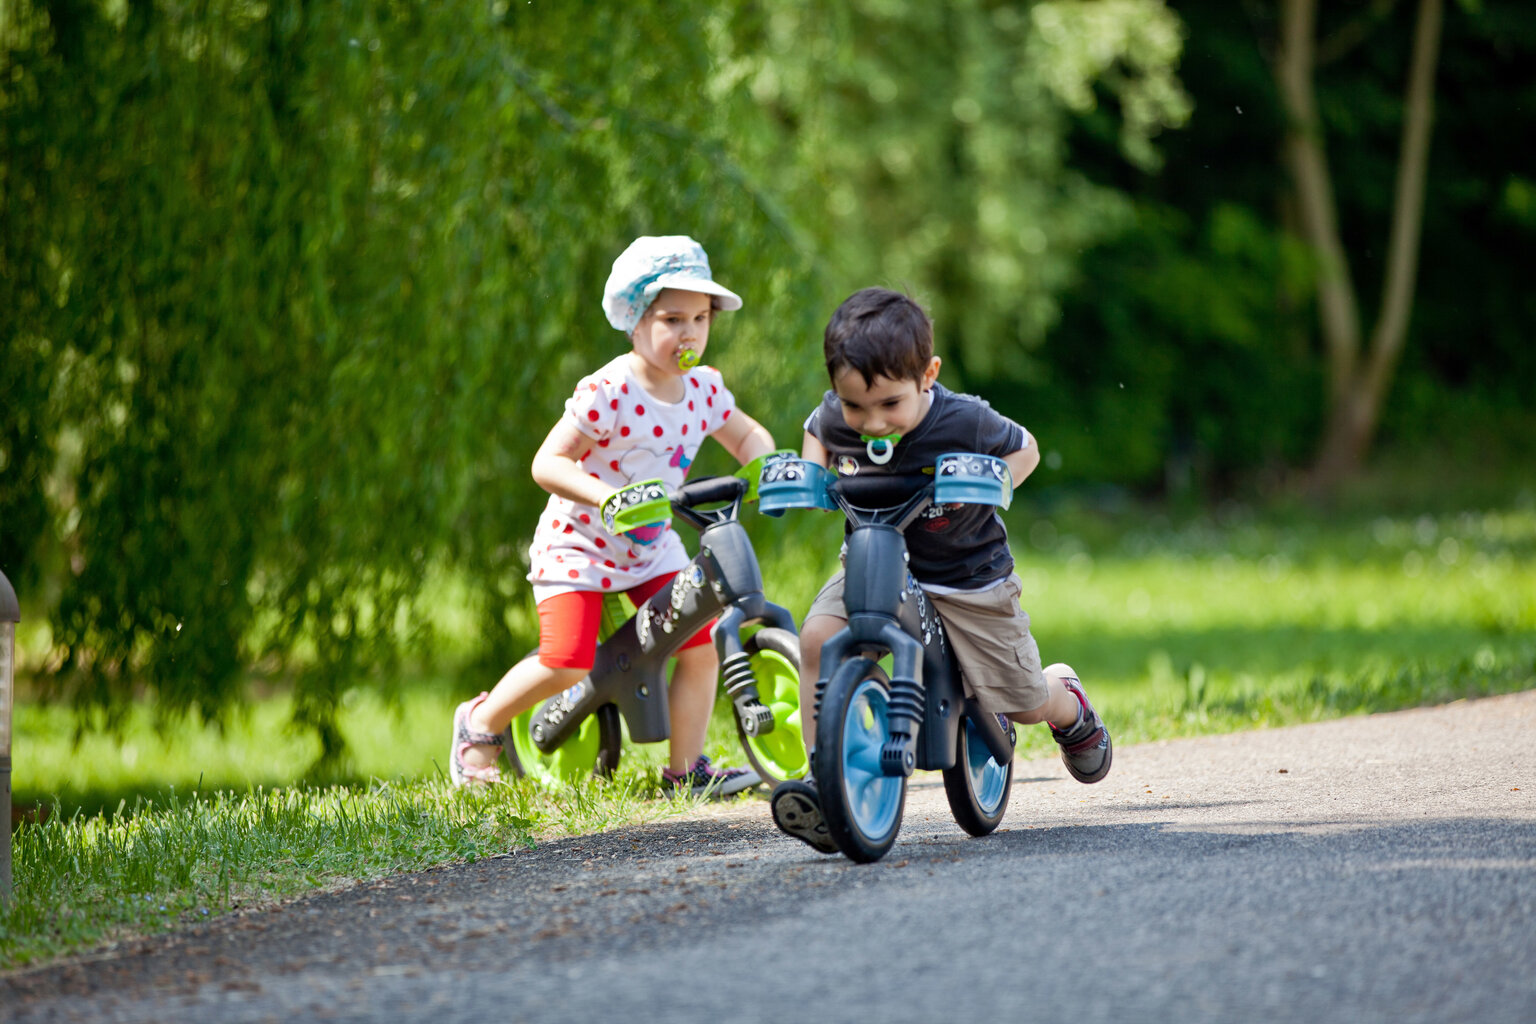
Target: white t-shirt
638 438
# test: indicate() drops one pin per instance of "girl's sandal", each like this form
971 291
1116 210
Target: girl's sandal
464 737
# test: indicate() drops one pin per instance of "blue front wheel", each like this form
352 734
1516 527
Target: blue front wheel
862 805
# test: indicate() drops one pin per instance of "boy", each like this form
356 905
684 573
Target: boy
887 413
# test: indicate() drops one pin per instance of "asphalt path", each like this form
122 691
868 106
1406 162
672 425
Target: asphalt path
1361 870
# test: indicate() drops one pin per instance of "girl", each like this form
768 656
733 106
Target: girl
642 416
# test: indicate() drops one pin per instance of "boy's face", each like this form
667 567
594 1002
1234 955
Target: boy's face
677 320
884 406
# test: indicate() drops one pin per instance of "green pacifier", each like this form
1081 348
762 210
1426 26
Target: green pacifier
687 359
880 449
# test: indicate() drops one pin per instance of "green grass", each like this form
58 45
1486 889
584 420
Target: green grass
85 879
1205 624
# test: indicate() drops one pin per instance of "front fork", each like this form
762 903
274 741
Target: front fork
904 711
736 673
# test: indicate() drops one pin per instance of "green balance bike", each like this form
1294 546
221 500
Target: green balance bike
579 732
875 726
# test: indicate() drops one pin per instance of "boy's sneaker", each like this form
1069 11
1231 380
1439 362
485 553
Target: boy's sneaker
704 779
797 811
1085 747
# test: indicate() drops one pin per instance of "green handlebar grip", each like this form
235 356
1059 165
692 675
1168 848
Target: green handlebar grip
639 504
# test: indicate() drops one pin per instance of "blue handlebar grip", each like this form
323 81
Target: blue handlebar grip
793 483
968 479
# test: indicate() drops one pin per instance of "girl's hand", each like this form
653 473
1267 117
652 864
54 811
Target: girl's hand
641 511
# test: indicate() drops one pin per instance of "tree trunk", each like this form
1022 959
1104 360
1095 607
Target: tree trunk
1357 385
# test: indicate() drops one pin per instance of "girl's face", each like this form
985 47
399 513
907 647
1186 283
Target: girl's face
677 321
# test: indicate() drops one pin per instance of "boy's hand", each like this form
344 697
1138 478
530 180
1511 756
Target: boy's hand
752 473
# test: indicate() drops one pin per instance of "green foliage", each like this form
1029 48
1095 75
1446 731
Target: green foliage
302 359
1203 308
294 289
928 142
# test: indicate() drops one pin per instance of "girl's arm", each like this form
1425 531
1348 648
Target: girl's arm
557 466
1023 462
744 437
812 450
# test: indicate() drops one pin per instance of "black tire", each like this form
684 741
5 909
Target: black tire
775 658
977 786
861 805
594 750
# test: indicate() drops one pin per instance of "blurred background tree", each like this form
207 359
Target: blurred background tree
1196 331
290 291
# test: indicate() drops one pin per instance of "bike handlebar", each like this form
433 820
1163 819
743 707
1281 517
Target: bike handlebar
709 490
882 491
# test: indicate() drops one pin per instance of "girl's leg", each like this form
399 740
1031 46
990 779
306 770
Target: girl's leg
524 685
568 625
691 699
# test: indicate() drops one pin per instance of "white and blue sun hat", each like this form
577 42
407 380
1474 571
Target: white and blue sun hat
651 264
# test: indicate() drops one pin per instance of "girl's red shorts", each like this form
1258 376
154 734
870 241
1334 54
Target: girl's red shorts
568 624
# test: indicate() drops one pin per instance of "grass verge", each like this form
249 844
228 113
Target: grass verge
1210 624
83 880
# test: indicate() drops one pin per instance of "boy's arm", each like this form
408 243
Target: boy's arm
1023 462
557 466
744 437
812 450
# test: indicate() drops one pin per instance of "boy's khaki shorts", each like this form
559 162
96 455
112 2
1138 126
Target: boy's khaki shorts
989 633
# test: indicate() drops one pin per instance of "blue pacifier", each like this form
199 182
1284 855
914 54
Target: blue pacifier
880 449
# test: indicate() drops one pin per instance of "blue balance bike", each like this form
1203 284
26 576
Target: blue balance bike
578 732
874 725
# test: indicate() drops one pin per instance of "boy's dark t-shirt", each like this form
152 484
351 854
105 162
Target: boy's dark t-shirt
960 546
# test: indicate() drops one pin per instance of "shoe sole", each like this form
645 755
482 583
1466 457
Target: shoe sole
1109 755
796 814
739 784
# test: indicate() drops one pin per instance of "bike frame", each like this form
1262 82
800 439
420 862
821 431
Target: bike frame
724 582
889 613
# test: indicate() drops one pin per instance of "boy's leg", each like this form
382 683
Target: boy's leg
795 803
1086 749
1061 705
825 619
1000 665
818 629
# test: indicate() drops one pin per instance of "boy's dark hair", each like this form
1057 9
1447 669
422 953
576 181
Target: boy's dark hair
879 333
